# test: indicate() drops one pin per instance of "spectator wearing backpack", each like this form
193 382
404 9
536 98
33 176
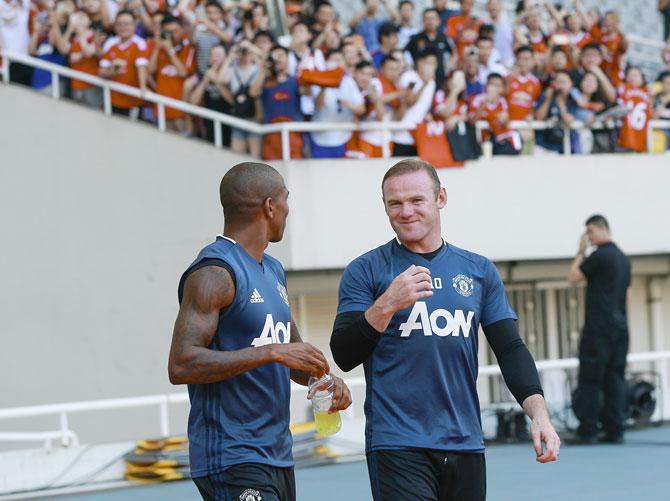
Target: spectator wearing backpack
238 80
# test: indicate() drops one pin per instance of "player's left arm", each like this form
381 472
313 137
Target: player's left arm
341 393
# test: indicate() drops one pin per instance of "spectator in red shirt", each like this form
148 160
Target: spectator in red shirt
172 61
125 61
523 88
491 106
84 55
463 29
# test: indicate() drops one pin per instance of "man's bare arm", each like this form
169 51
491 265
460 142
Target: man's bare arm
300 377
207 292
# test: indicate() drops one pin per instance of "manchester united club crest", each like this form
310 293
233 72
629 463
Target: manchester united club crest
250 495
463 285
283 293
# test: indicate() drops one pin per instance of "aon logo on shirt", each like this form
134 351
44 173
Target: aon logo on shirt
273 332
439 322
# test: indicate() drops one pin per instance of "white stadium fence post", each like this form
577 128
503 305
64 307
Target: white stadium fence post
218 139
5 69
55 85
107 100
285 144
161 117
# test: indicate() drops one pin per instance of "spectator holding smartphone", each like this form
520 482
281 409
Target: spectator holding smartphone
209 92
280 97
125 60
171 62
591 59
336 104
99 14
238 79
558 105
419 87
385 103
84 55
43 45
209 30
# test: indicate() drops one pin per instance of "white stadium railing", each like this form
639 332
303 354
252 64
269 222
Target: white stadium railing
67 437
284 128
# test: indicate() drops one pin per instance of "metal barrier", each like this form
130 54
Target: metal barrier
68 437
283 128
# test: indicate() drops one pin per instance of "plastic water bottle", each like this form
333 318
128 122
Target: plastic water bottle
322 398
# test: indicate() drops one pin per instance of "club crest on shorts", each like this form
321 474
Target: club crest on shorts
283 293
463 285
250 495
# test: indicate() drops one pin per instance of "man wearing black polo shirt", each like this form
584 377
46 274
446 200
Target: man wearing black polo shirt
604 344
431 38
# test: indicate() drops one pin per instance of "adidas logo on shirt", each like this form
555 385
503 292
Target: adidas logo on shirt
256 297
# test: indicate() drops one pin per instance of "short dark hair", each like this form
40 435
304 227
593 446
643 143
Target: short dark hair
363 64
598 220
276 47
332 51
169 18
264 33
487 30
425 53
431 9
523 48
246 186
386 29
495 76
403 2
664 74
413 165
484 39
593 46
388 58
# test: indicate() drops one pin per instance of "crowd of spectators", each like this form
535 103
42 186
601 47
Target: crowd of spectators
551 62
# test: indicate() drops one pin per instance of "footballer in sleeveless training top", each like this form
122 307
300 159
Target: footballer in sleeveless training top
421 377
244 419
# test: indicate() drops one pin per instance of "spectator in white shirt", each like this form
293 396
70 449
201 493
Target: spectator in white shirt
503 38
407 26
336 104
419 89
15 37
487 65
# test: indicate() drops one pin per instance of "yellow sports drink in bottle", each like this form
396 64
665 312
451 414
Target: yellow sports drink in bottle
321 390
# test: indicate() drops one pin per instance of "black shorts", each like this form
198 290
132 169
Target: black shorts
248 482
426 474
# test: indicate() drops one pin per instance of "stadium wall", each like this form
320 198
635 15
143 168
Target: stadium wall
100 217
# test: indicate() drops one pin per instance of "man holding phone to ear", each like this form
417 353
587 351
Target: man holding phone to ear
604 344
